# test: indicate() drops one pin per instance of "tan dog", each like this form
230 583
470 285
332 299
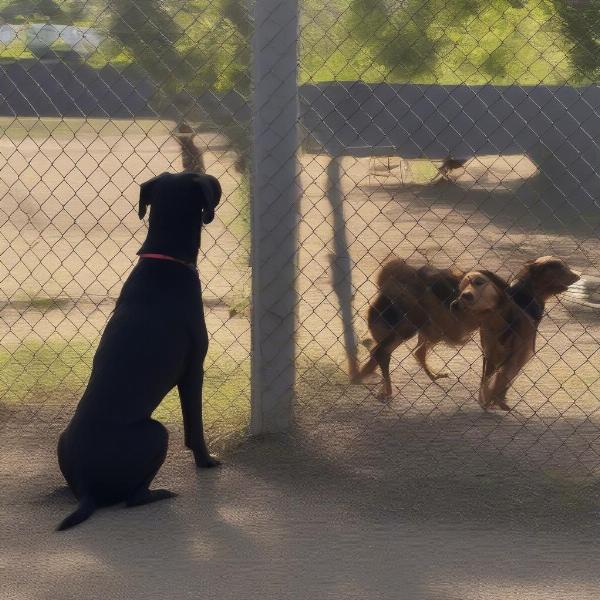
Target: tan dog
414 301
509 319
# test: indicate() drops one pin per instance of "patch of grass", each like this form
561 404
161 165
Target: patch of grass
36 372
239 304
238 223
16 50
54 374
422 171
39 304
19 128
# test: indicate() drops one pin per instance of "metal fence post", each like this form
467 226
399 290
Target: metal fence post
274 214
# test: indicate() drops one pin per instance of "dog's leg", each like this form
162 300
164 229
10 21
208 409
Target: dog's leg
148 451
190 396
367 370
65 461
505 380
383 358
380 356
495 389
420 353
373 361
486 373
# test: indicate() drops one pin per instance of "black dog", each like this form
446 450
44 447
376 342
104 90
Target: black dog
155 340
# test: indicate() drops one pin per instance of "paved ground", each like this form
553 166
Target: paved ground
282 520
423 497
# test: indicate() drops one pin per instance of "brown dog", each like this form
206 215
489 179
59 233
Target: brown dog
410 301
509 319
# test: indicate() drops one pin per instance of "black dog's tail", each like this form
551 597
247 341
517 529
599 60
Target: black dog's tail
84 511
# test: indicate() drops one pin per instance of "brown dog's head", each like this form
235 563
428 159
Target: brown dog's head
479 291
548 275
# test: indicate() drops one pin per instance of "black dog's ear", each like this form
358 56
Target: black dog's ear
146 190
211 192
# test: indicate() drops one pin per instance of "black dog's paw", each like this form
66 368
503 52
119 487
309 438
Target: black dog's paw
146 496
206 461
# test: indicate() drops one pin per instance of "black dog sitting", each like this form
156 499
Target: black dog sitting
156 339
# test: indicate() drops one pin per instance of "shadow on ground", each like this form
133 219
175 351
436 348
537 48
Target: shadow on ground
527 206
314 514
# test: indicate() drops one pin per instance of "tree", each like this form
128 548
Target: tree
478 41
580 24
190 50
19 10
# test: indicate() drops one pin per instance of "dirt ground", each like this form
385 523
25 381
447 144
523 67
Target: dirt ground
69 234
422 497
283 520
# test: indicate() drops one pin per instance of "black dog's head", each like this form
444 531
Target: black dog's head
179 205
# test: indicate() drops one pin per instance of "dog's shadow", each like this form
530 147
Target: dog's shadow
155 543
282 498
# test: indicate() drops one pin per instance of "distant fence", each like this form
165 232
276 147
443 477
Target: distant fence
557 127
55 88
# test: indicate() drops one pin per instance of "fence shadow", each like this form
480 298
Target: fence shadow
423 468
528 207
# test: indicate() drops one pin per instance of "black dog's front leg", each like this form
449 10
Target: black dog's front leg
190 396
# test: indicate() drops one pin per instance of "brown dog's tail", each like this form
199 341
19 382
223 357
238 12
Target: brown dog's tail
84 511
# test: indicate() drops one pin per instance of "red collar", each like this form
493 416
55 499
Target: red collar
171 258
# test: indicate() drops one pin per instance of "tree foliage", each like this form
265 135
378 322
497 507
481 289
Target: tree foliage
463 41
189 49
580 25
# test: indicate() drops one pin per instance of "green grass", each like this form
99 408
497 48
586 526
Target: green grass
54 374
500 43
107 53
19 128
14 51
40 304
238 223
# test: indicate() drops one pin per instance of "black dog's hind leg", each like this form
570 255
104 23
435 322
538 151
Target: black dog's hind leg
190 396
147 452
65 461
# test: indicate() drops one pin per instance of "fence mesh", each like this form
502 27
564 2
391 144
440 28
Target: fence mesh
455 134
96 98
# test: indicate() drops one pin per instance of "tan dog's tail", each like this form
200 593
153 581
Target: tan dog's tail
84 511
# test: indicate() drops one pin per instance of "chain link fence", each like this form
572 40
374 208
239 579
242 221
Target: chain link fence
96 99
454 134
